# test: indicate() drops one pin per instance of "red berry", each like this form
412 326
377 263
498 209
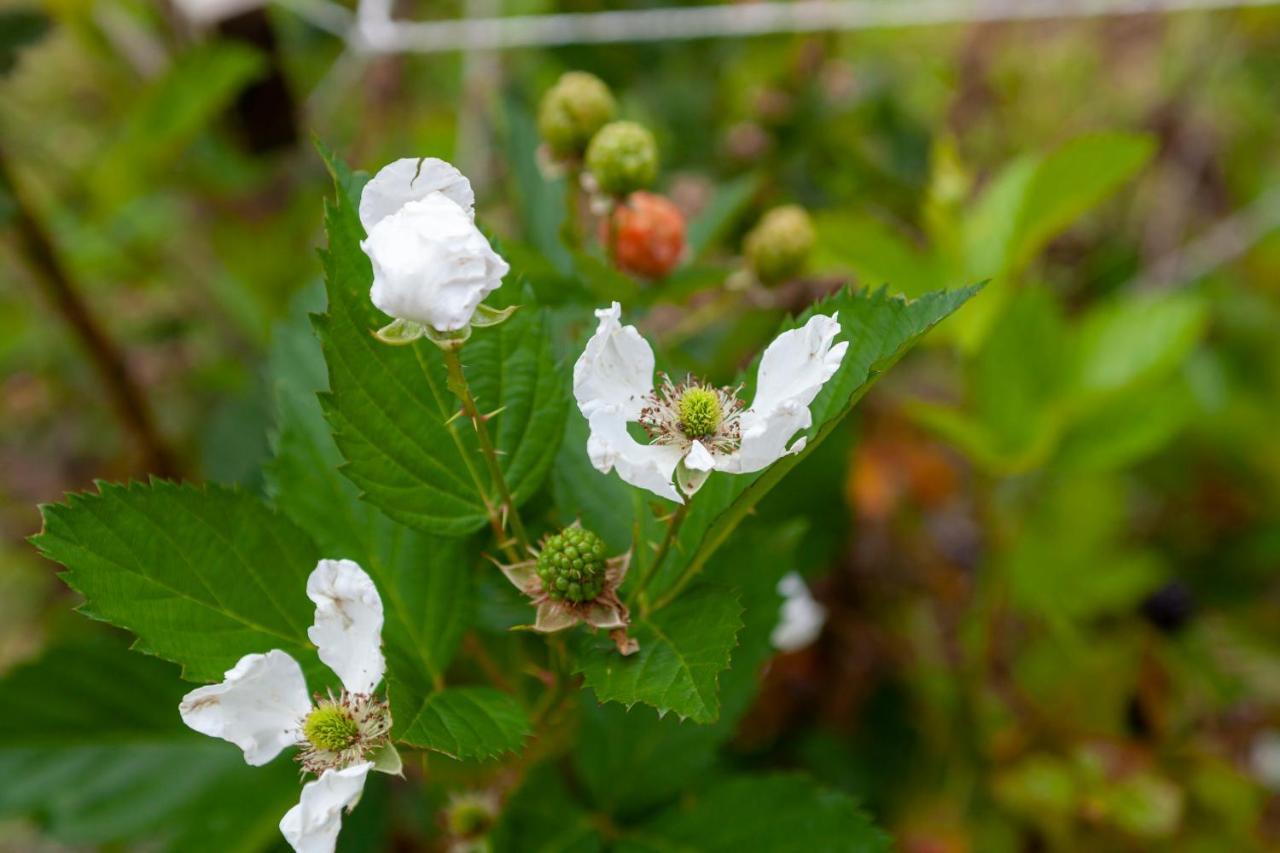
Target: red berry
645 235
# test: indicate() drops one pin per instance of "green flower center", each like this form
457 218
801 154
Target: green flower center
572 565
330 728
700 413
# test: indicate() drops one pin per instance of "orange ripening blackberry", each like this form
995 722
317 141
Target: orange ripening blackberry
644 235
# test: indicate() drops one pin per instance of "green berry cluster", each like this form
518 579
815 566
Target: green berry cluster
779 246
330 728
623 157
700 413
572 565
572 111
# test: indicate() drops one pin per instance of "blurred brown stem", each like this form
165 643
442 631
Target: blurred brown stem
126 396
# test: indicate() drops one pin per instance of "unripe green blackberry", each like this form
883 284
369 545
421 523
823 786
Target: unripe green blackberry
572 110
778 247
623 157
331 728
700 413
572 565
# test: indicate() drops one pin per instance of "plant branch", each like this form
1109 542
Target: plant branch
673 530
509 514
570 230
729 520
127 398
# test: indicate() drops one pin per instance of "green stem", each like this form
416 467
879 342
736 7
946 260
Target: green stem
570 232
742 506
673 529
458 385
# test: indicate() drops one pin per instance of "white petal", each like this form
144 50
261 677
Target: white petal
615 371
312 825
1264 758
699 458
792 372
348 624
258 706
802 616
431 265
647 466
412 179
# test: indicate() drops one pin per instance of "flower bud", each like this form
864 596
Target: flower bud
623 157
572 565
572 110
778 247
471 815
645 235
431 265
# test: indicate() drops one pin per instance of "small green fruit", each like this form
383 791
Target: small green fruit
700 413
572 110
572 565
778 247
623 157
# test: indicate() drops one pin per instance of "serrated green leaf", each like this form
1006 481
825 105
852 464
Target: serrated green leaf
880 328
780 813
615 749
683 650
615 744
202 575
463 722
393 416
425 582
92 747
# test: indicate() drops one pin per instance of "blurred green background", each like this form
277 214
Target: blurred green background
1049 543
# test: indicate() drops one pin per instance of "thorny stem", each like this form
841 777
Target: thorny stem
458 385
673 529
126 396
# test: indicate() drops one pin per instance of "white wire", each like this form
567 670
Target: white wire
372 30
381 34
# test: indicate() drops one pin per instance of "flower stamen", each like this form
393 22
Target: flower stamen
699 412
679 415
343 731
331 728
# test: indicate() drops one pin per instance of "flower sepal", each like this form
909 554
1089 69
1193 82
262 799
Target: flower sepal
399 333
387 760
689 476
486 316
403 332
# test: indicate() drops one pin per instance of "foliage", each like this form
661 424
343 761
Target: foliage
1044 545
